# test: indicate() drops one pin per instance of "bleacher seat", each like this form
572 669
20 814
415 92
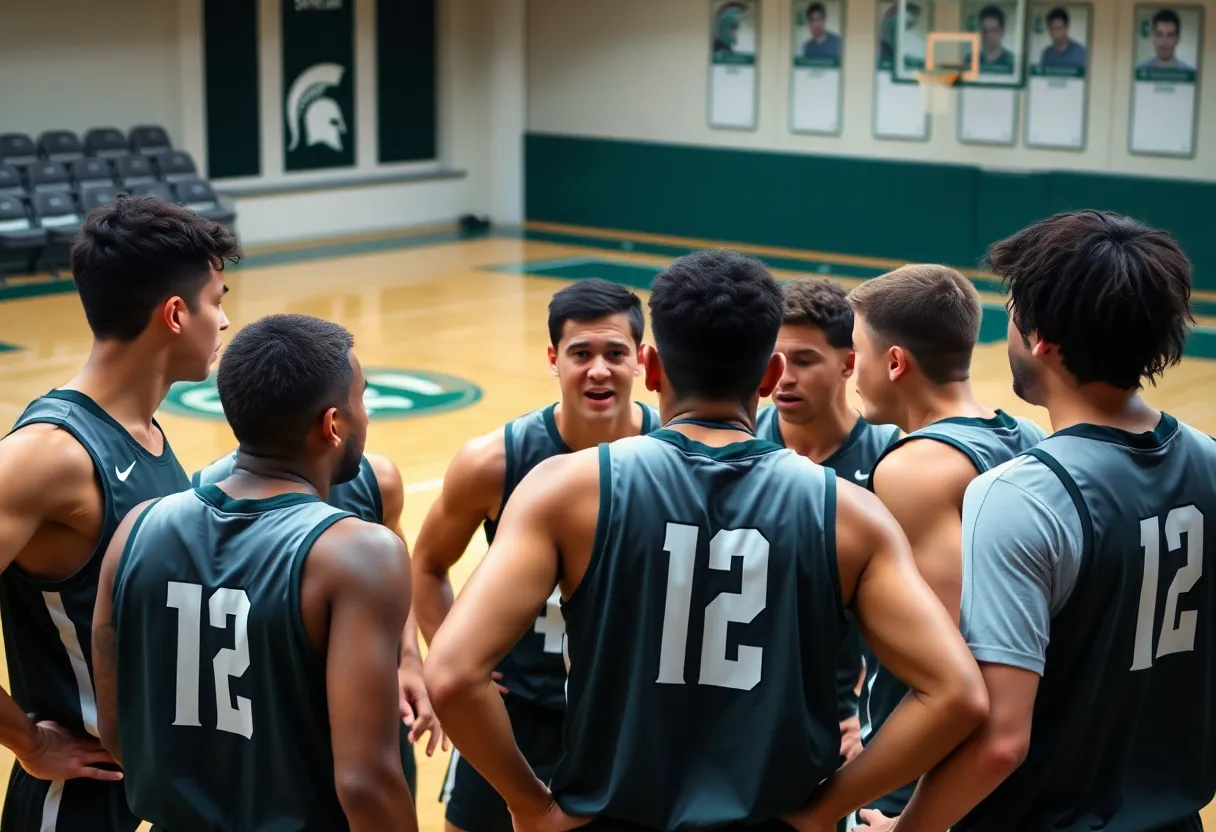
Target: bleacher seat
133 170
106 143
17 149
60 217
175 166
161 190
199 197
91 170
48 176
97 195
20 238
10 181
59 146
149 139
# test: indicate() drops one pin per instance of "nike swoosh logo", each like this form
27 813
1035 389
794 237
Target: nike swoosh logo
860 476
122 475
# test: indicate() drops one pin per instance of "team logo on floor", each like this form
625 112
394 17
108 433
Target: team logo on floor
391 394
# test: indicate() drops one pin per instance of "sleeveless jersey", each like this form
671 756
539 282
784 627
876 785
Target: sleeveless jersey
987 443
703 637
853 461
48 625
222 703
534 669
360 496
1123 736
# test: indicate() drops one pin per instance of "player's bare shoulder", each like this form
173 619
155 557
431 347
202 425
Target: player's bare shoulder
354 555
925 470
45 473
477 473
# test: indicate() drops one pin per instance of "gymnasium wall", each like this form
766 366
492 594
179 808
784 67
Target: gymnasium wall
618 137
76 64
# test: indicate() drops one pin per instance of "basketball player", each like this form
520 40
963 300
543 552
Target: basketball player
705 575
914 331
595 335
77 459
812 416
218 607
375 495
1089 600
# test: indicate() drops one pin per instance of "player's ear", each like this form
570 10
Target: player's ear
897 363
772 374
173 314
652 367
850 364
552 359
331 430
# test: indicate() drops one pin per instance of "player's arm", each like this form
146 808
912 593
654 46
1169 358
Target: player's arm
1022 553
105 637
46 477
416 710
496 607
914 637
472 490
927 509
366 574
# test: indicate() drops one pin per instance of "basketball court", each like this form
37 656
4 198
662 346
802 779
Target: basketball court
452 336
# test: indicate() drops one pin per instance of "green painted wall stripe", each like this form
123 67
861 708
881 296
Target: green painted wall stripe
232 86
405 80
908 211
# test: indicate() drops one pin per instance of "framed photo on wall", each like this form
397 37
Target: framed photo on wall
1057 97
815 75
734 42
1167 50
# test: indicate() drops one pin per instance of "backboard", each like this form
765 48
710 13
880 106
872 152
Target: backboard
983 41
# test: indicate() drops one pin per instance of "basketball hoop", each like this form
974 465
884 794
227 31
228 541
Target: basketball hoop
935 87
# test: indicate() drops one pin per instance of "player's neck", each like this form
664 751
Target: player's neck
820 437
715 424
580 435
261 475
932 403
125 381
1101 404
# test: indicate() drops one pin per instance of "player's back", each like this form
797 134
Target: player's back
703 637
223 713
1124 729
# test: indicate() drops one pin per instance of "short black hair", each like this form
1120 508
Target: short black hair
594 298
1058 13
1111 293
820 303
716 315
136 253
816 7
279 374
993 12
1168 16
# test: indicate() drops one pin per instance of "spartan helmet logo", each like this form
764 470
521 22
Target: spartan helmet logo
306 102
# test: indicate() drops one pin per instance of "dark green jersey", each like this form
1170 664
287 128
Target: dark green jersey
48 624
360 496
851 461
703 637
1088 564
535 670
987 443
222 703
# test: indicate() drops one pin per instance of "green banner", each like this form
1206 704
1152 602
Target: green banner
232 85
406 91
318 84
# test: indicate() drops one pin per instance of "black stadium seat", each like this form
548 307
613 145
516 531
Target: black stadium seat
160 190
10 181
133 170
149 139
60 217
199 197
48 176
91 170
95 196
17 149
59 146
20 238
106 143
175 166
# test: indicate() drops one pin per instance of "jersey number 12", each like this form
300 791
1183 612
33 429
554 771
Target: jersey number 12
231 662
1177 629
742 673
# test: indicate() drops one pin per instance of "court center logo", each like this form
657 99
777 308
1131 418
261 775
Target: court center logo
390 394
310 113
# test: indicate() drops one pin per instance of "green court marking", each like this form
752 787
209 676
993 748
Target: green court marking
6 347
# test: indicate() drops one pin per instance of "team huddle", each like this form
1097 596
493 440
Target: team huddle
926 615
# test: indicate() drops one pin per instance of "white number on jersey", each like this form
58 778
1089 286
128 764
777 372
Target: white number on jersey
1177 629
232 662
552 624
742 673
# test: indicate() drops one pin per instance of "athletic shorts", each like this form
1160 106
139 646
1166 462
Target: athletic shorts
77 805
408 764
472 803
